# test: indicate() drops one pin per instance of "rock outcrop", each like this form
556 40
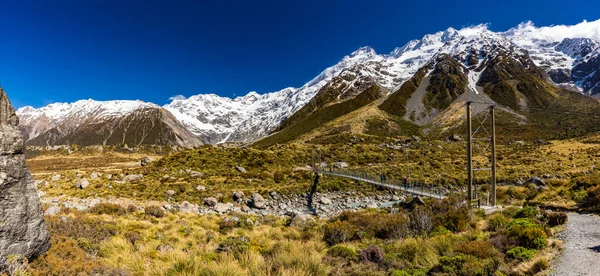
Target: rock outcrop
22 227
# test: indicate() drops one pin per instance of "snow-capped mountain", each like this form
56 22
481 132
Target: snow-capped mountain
89 122
569 55
220 119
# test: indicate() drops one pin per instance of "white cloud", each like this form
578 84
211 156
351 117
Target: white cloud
177 97
585 29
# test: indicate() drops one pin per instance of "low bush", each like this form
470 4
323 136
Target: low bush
593 197
65 257
527 212
534 238
479 249
108 209
154 211
93 229
341 251
496 222
236 245
413 253
527 233
336 232
133 237
372 253
521 253
554 219
503 242
539 266
466 265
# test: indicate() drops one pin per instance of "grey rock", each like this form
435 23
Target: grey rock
341 165
324 200
170 193
222 207
132 177
200 188
210 201
519 143
146 161
82 183
22 227
94 176
237 195
187 207
455 138
52 211
195 174
240 169
302 221
258 201
56 178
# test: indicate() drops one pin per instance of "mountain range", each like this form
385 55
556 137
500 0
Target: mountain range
418 84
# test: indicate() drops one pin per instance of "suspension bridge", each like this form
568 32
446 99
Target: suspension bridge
417 189
481 134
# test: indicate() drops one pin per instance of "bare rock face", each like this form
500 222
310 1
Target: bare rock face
22 227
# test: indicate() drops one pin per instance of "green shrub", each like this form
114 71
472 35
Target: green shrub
497 222
414 253
466 265
336 232
521 253
341 251
534 238
527 212
108 209
527 233
236 245
522 223
480 249
154 211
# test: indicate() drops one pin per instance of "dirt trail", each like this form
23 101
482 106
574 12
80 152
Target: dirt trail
582 250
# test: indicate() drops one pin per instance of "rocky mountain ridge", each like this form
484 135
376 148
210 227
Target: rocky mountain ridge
568 55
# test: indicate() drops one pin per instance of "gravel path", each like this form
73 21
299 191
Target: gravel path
582 250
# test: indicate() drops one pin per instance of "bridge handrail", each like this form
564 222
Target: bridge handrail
425 190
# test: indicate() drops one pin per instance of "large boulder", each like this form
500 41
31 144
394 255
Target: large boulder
210 201
258 201
22 228
82 183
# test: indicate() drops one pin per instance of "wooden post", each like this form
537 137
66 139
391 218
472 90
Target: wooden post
469 156
493 156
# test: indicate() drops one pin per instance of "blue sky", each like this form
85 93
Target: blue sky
65 50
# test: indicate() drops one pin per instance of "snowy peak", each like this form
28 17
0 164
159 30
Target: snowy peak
363 52
577 47
59 111
90 122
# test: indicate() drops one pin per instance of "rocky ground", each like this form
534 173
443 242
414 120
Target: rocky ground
582 250
320 204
